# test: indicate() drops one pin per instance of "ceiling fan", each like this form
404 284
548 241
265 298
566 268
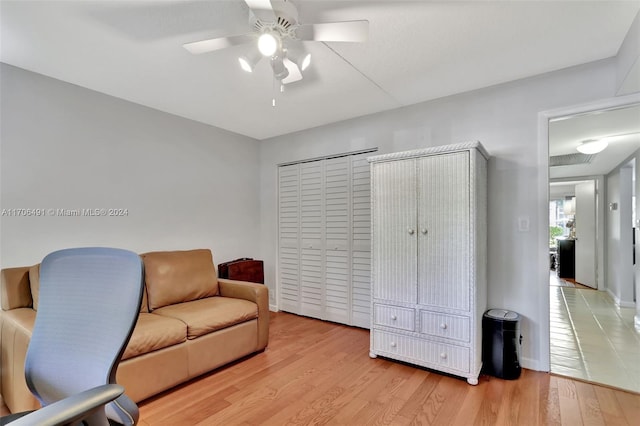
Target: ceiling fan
277 35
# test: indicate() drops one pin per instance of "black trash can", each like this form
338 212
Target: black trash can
501 341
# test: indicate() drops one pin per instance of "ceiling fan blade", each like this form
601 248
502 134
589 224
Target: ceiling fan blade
262 9
204 46
335 31
294 72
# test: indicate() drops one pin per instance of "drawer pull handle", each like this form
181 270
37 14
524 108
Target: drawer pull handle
443 355
393 344
443 326
411 231
393 317
424 231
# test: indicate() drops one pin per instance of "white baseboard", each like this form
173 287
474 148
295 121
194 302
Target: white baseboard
273 308
620 303
636 322
531 364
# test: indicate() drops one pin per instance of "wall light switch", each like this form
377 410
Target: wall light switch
523 224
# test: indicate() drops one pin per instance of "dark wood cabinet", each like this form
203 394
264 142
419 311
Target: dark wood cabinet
566 259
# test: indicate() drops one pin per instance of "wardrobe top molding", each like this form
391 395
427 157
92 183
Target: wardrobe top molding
464 146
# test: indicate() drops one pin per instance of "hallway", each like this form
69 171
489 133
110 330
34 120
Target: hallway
592 339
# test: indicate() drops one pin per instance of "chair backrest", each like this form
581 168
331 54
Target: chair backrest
89 304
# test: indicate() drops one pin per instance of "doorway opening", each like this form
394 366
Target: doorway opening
574 232
591 333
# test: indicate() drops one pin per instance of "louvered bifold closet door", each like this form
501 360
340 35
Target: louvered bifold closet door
325 239
289 229
312 239
337 237
360 241
444 231
394 242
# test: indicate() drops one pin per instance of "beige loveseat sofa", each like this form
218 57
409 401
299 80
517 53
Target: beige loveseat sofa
190 323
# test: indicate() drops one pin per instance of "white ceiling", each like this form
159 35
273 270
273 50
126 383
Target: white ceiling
417 51
620 127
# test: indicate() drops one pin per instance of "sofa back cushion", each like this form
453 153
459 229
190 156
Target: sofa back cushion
179 276
144 305
15 292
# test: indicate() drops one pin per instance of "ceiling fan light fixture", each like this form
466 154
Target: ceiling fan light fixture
592 146
280 71
299 57
249 61
306 61
244 64
268 44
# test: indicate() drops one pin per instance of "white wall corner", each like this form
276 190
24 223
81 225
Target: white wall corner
533 364
619 302
628 61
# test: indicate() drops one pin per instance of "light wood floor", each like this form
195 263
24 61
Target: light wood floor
315 372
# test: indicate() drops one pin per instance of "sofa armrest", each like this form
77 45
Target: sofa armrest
15 291
257 293
15 333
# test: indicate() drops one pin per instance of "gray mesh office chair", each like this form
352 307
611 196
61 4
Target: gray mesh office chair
89 304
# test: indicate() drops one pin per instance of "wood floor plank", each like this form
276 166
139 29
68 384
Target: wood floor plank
609 406
568 400
490 407
450 394
549 402
630 406
589 405
415 402
470 407
531 387
316 372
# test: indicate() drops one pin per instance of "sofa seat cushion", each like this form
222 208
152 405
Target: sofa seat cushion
153 332
204 316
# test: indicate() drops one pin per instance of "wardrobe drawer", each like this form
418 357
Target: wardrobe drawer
421 351
394 316
445 325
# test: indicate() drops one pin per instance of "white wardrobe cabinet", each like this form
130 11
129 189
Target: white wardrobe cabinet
428 236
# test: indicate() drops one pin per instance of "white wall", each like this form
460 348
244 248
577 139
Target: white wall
505 119
561 192
185 184
620 270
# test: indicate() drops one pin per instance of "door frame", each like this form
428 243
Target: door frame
543 210
586 232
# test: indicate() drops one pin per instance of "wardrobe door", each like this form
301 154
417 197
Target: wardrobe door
444 231
394 230
289 234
